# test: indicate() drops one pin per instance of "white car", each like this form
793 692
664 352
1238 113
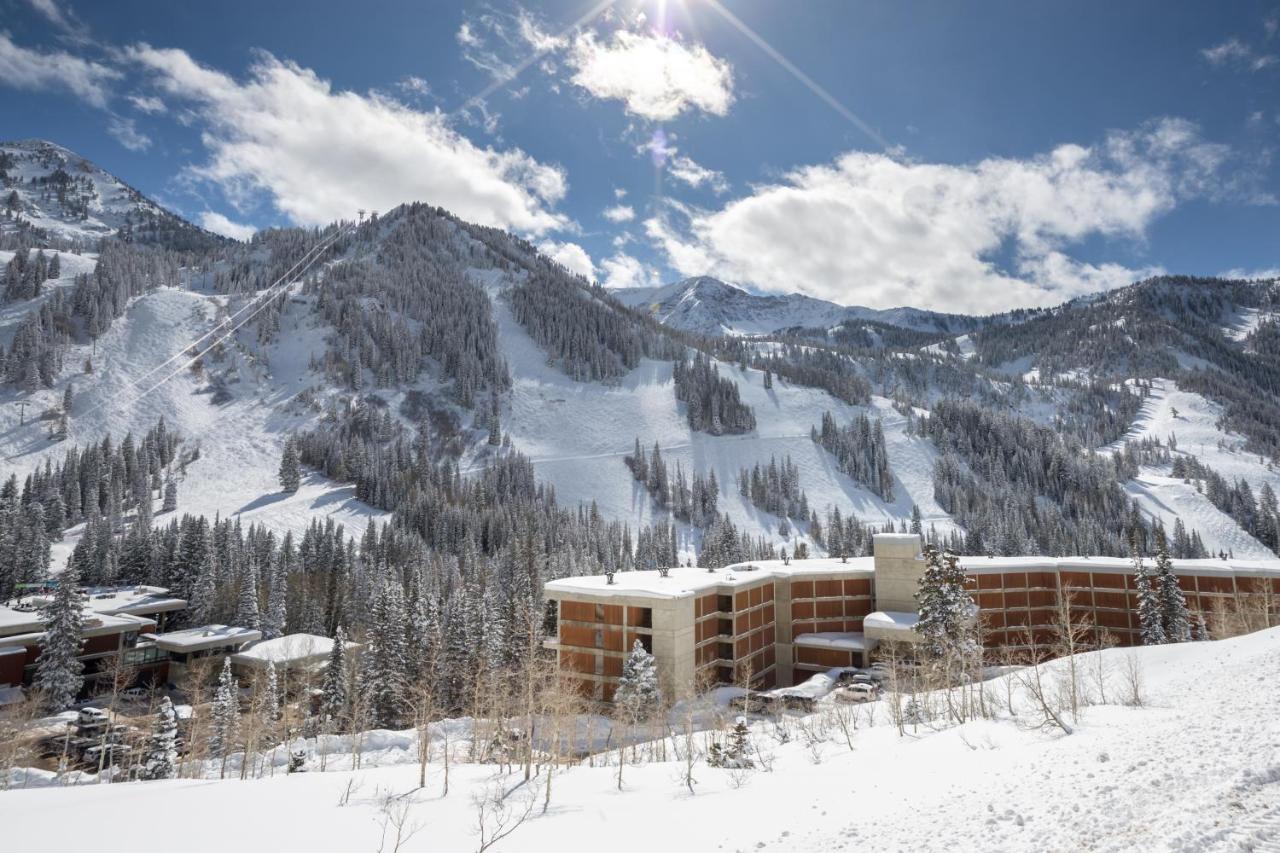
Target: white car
857 693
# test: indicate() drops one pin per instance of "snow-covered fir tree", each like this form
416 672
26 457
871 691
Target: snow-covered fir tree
1150 611
637 696
271 693
384 676
290 466
946 609
160 760
224 722
58 678
1174 618
333 687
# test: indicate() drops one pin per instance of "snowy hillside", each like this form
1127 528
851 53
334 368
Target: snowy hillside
1195 768
577 434
58 194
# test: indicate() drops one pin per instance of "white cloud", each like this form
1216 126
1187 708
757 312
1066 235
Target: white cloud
125 131
23 68
499 43
572 256
217 223
623 270
619 213
320 154
415 86
655 76
1241 273
619 193
1236 53
685 169
62 19
874 230
148 104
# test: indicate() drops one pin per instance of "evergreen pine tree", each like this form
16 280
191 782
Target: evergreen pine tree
1174 617
384 677
170 496
333 688
161 758
1150 613
225 722
946 608
58 677
271 693
290 467
637 696
247 612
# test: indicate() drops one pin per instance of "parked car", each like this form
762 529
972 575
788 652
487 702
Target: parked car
857 693
135 694
92 718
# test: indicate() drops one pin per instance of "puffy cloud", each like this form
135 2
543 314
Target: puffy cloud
622 270
688 171
23 68
572 256
148 104
217 223
619 213
1235 53
882 231
655 76
320 154
125 131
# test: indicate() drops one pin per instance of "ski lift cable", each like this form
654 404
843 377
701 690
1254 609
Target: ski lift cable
262 302
266 295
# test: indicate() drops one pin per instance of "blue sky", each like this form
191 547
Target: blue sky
973 158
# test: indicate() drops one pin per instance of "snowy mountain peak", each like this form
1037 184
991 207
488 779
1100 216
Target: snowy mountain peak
710 306
52 193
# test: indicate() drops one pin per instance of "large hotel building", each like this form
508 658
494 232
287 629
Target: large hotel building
780 622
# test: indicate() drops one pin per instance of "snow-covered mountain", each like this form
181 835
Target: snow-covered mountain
709 306
439 324
60 195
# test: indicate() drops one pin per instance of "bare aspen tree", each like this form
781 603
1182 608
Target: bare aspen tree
1072 635
1032 679
498 815
1133 681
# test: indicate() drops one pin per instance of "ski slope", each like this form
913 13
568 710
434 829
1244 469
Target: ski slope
1197 768
240 441
577 433
1193 421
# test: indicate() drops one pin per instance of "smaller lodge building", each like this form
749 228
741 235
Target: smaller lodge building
123 636
775 623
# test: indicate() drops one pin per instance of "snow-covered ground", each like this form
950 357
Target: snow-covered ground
1197 768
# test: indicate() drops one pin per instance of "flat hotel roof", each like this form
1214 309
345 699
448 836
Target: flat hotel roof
685 581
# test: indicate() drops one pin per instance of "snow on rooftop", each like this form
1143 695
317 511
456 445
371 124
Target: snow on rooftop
291 648
205 637
891 620
854 641
686 580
